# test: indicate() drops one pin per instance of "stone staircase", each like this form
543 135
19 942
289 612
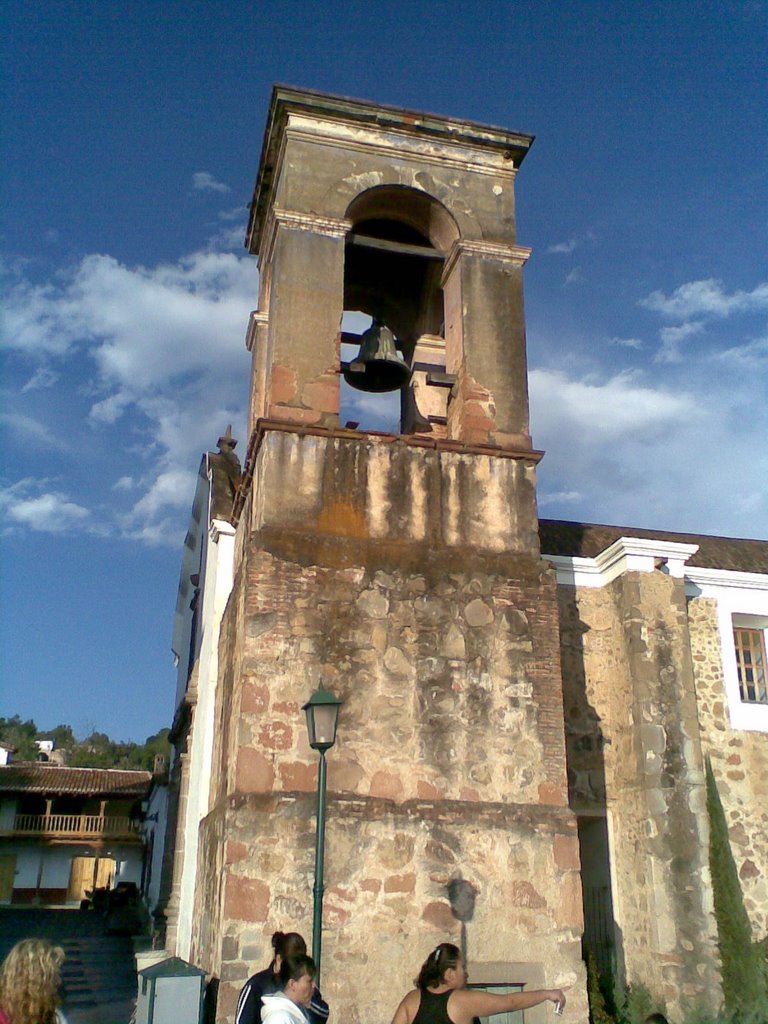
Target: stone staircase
99 973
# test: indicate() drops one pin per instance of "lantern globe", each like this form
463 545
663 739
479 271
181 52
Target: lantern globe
322 711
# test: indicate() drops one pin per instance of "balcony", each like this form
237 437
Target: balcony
74 826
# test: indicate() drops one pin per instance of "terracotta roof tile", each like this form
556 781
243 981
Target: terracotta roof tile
35 777
587 540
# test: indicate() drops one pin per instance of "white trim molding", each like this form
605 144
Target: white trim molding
627 554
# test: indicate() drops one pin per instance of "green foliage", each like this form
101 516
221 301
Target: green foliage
598 1011
97 750
743 973
761 949
20 736
63 735
637 1005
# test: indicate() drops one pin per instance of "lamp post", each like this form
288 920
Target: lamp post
322 711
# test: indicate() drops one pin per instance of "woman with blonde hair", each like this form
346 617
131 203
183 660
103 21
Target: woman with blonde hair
29 984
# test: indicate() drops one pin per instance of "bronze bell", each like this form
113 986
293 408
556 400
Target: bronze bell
378 366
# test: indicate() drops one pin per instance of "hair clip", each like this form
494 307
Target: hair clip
437 952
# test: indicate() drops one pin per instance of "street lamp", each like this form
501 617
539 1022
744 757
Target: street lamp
322 711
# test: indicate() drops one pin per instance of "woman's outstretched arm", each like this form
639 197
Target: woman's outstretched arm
465 1003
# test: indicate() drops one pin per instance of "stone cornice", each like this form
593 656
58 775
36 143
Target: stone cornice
456 154
257 319
406 135
628 554
410 440
294 220
500 252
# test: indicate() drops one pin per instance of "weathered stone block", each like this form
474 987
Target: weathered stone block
245 899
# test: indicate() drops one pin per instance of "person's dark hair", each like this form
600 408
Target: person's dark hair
287 944
656 1018
294 967
441 959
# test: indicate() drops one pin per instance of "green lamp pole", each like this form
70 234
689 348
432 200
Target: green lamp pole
322 711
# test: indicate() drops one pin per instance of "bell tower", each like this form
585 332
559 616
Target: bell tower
409 218
400 567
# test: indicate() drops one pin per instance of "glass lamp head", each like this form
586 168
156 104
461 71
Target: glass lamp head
322 711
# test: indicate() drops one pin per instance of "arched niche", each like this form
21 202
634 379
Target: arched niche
394 258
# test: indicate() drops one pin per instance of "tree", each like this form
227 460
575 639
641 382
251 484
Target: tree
740 961
63 735
97 750
598 1011
20 736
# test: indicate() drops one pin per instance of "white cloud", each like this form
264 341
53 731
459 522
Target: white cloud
706 298
566 247
125 483
28 431
173 488
618 408
563 247
635 343
142 325
47 512
204 181
624 450
110 409
575 276
236 213
558 498
671 338
752 355
166 345
43 377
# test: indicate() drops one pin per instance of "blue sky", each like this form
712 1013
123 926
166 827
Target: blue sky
130 145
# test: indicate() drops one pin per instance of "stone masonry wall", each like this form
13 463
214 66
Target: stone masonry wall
386 905
634 752
739 761
449 763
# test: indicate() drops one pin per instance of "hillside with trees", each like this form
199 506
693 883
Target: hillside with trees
96 750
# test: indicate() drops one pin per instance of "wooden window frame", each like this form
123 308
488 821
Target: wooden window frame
749 645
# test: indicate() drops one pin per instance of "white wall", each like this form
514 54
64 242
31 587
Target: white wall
741 597
154 832
27 864
216 584
57 863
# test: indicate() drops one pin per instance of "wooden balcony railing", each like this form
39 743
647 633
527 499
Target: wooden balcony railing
74 826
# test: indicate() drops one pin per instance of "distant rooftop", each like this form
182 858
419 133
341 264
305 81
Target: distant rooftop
36 777
587 540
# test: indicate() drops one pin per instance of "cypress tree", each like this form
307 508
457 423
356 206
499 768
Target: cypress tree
743 986
598 1011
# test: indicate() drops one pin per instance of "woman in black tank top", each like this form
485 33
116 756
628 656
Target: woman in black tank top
441 995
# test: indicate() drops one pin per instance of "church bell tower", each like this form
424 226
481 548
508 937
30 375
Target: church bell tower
399 565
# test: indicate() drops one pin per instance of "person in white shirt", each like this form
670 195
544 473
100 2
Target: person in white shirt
297 983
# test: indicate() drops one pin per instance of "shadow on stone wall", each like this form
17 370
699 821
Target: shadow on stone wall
585 745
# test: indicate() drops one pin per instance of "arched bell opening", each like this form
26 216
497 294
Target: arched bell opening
359 409
393 264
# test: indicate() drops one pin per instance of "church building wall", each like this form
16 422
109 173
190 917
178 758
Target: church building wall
739 761
635 757
450 761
